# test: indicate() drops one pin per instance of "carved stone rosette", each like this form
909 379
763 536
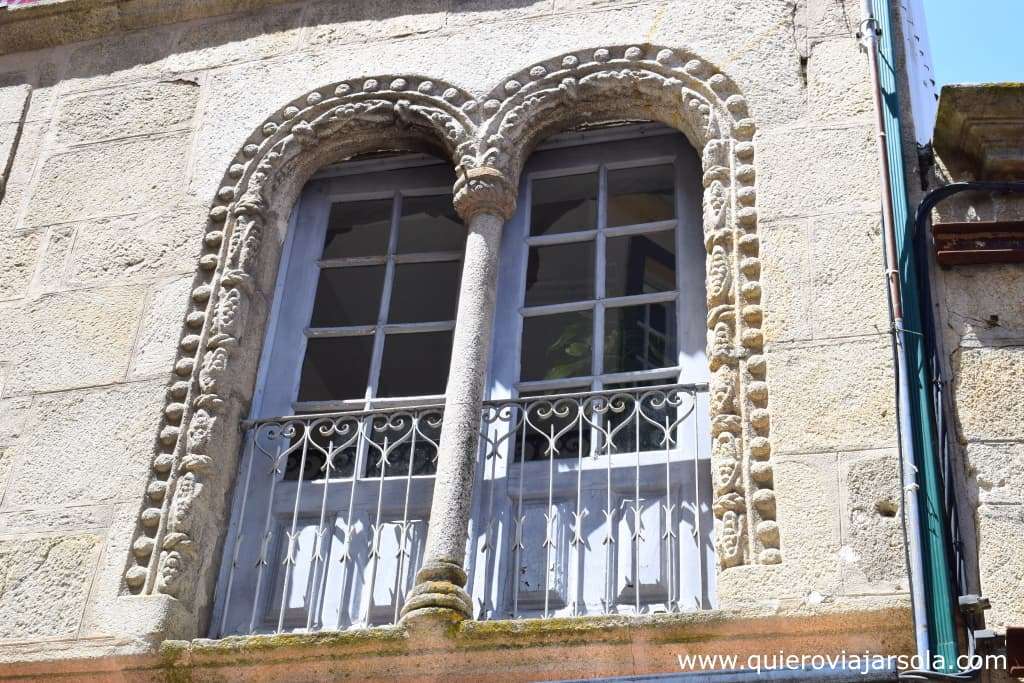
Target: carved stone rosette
487 139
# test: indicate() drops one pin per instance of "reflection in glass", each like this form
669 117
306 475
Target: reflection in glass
430 224
556 346
564 204
640 264
558 273
425 292
348 296
335 368
641 195
358 229
639 337
415 364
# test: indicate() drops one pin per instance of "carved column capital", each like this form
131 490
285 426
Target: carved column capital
484 189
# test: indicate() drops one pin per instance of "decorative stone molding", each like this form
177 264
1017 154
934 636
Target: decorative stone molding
487 139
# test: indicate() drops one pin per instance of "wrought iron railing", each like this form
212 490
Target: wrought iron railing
585 503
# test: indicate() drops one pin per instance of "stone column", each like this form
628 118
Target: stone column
485 199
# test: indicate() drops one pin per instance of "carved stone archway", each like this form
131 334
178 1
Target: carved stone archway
487 139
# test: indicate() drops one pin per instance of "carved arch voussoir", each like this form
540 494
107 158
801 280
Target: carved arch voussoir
487 139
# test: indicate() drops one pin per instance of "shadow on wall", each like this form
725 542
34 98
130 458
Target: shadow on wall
273 29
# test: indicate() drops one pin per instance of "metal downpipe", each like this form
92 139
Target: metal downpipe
908 456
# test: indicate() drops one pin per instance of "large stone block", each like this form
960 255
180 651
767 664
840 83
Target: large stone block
837 80
43 585
157 341
74 339
835 396
987 384
85 446
19 255
18 180
1001 563
812 171
809 524
121 58
997 472
872 557
138 247
111 178
120 112
848 276
785 279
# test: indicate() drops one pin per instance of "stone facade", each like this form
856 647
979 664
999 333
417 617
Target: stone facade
151 153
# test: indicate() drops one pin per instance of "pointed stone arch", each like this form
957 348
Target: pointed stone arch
487 139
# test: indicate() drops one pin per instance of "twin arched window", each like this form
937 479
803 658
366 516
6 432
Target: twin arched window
601 290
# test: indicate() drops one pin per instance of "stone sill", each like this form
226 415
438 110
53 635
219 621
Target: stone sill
521 650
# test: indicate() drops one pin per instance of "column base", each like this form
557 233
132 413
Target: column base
439 594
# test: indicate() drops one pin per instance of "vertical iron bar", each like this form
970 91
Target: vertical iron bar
517 538
265 539
251 450
289 560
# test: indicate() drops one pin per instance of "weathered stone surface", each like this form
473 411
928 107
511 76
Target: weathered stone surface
1000 528
805 171
18 180
105 436
988 405
997 471
205 44
785 269
119 112
116 177
872 557
836 88
55 519
12 98
983 304
836 396
361 20
137 247
18 257
57 567
54 258
157 341
80 338
847 287
13 412
810 524
118 59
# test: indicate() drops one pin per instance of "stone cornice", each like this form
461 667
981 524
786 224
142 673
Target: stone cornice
979 131
48 23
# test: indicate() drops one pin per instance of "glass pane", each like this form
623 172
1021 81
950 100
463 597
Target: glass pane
639 264
565 204
415 364
430 224
640 337
558 273
348 296
641 195
557 346
425 292
358 229
335 368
